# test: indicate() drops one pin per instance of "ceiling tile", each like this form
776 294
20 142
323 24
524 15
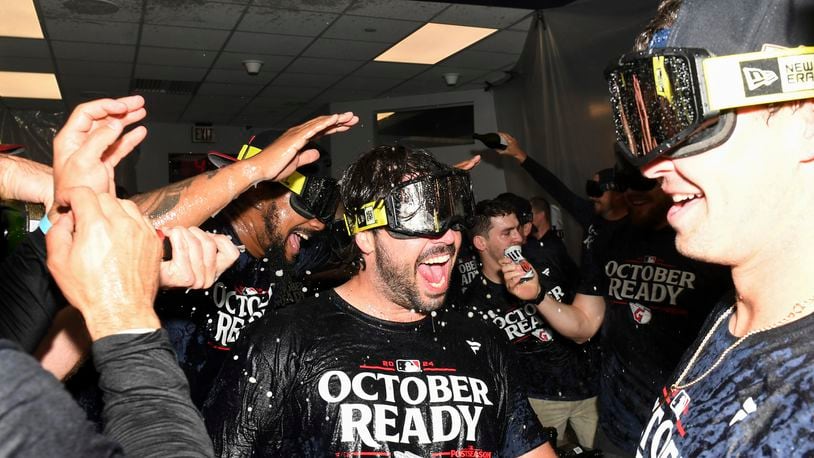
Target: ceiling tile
285 22
108 69
24 47
366 83
98 85
345 95
331 6
524 24
323 66
93 51
283 45
180 57
481 16
219 75
164 106
177 37
414 10
232 61
390 69
479 60
305 80
169 72
246 90
92 31
129 11
371 29
345 49
26 64
299 93
198 13
507 41
277 104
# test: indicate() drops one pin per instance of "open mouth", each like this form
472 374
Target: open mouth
435 270
681 203
294 241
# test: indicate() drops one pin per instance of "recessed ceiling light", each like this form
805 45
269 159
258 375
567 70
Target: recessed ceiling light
433 43
18 18
29 85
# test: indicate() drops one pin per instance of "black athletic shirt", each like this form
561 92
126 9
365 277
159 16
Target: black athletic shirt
759 401
324 379
30 298
656 301
205 324
553 366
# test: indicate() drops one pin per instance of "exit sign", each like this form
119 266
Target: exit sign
203 134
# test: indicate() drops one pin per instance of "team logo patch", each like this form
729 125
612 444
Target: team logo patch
641 314
408 365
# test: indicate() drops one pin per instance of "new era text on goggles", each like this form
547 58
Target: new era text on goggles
422 207
678 101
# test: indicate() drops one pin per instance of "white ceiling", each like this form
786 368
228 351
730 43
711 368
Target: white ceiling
315 52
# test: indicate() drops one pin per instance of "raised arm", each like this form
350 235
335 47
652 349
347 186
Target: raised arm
578 321
192 201
105 257
580 208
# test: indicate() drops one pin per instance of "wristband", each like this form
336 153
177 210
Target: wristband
45 224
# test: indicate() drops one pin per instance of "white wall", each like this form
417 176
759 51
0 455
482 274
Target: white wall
488 178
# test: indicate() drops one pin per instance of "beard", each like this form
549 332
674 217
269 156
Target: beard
399 281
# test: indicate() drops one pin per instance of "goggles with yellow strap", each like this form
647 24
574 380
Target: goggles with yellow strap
423 207
312 197
678 101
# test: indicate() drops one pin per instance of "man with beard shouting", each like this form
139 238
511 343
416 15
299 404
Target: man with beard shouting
377 365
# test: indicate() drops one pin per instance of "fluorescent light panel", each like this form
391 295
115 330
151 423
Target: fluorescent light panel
18 18
433 43
29 85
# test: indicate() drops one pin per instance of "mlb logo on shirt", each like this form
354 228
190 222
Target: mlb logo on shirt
408 365
641 314
650 259
543 335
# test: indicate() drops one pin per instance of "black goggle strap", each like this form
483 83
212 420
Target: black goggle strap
769 76
370 216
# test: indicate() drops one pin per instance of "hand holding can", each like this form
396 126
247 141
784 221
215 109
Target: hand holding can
516 255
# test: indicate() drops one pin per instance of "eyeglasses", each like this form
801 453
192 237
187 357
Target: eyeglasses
678 101
423 207
313 197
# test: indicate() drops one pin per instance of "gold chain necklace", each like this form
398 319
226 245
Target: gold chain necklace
796 311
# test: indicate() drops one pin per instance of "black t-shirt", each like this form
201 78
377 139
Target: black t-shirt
656 300
551 258
554 367
467 268
205 324
324 379
759 401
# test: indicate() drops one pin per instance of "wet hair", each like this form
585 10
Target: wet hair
541 205
522 207
666 14
371 177
485 210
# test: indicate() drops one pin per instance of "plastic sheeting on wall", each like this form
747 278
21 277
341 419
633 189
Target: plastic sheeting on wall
33 129
557 104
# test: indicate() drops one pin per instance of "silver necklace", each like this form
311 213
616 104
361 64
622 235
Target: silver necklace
796 311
